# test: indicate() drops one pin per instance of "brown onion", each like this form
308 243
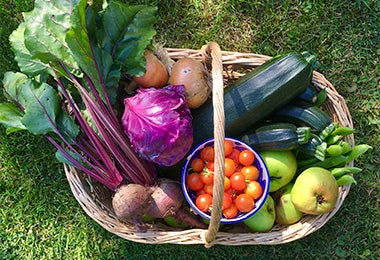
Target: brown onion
191 73
156 75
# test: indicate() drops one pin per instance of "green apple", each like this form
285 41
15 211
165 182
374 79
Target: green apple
282 167
286 212
315 191
263 220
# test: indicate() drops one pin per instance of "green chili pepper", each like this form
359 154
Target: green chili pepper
344 130
333 139
357 151
306 162
345 180
321 97
345 146
329 162
334 150
338 172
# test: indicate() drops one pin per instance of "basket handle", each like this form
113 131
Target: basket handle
213 51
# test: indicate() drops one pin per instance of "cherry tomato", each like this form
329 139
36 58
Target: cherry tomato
238 167
234 155
229 167
228 147
193 181
244 203
207 178
254 190
197 165
227 183
250 172
230 191
237 181
227 200
210 166
209 188
246 157
199 192
203 202
207 154
230 212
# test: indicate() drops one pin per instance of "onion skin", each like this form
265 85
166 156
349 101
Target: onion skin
191 74
131 202
156 75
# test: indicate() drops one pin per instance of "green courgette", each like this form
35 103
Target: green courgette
309 95
277 136
327 132
256 95
313 117
315 147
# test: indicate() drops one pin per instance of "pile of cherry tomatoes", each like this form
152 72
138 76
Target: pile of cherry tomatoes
241 185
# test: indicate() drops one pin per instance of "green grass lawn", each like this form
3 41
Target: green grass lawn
39 217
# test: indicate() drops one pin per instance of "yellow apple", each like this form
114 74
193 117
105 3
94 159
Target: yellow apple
286 212
315 191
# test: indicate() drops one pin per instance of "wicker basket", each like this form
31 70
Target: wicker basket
226 66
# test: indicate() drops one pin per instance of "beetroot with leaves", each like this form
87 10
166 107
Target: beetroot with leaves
71 56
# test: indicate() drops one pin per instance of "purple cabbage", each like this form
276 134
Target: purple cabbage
158 124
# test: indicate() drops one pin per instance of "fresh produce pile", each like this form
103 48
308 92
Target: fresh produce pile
123 113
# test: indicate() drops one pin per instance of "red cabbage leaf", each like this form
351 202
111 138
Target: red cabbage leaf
158 123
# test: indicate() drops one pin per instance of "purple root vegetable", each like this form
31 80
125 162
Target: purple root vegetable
167 201
187 217
131 202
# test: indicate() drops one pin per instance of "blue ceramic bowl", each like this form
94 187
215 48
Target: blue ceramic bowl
263 180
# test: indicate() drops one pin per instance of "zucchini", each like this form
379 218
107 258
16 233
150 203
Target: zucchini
277 136
315 147
327 132
309 95
254 96
313 116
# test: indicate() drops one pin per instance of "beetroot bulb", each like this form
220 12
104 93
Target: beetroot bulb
131 202
167 202
167 199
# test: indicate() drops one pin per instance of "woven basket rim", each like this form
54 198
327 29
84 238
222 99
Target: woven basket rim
86 195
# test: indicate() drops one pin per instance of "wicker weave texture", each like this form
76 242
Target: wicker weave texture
96 200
